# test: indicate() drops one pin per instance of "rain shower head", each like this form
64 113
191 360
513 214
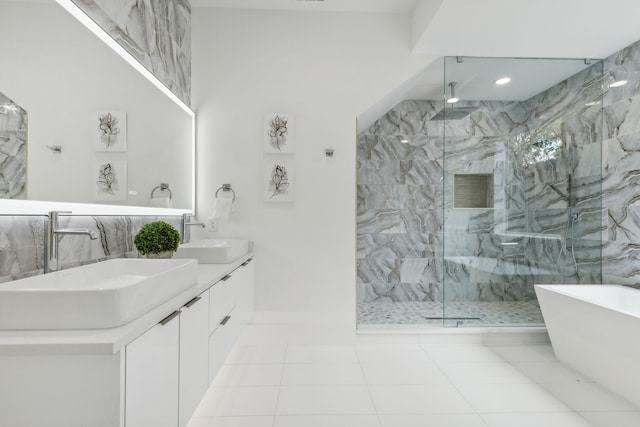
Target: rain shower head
453 113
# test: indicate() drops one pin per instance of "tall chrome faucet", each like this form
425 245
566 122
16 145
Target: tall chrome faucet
186 231
51 241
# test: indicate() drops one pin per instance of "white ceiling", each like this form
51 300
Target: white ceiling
531 28
364 6
475 77
488 28
520 29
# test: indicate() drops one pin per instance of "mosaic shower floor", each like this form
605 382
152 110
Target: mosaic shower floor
468 313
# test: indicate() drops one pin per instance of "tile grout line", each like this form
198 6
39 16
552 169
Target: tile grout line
366 383
454 385
284 362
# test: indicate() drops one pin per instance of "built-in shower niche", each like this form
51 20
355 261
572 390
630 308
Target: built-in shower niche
473 191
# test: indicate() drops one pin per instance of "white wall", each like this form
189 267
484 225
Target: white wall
62 74
325 68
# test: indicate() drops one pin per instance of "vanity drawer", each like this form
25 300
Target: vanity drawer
221 342
222 299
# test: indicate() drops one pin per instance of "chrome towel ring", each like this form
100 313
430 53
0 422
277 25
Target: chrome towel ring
162 187
226 187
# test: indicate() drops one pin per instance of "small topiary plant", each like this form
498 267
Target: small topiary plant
156 237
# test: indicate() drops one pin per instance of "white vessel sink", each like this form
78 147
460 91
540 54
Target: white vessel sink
213 251
94 296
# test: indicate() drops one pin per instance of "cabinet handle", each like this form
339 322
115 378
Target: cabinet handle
225 320
227 277
244 264
193 301
169 318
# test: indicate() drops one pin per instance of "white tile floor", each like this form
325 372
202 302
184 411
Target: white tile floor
306 375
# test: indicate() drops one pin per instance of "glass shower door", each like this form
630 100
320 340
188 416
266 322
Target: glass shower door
521 185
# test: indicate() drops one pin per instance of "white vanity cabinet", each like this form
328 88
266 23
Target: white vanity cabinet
148 373
152 376
231 304
222 300
169 367
194 360
166 368
244 277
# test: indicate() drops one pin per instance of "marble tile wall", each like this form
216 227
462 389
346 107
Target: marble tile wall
399 196
22 241
156 32
621 160
13 150
414 246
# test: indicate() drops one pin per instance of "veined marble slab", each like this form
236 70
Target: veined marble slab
22 241
155 32
13 150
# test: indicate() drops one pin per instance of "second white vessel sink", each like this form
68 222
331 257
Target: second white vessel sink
213 251
94 296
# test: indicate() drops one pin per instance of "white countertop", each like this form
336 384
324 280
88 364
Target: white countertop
109 341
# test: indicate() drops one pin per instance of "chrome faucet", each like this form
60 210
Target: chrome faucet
51 241
186 231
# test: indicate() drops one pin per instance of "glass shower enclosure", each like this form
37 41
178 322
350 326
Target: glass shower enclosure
468 198
521 184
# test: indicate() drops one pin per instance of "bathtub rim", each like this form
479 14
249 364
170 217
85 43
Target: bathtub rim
565 290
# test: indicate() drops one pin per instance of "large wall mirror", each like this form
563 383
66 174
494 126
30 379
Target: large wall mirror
75 90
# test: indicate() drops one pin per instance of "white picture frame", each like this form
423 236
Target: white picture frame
279 133
110 128
110 180
278 181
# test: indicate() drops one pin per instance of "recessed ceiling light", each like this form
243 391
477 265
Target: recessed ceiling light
404 141
618 83
502 81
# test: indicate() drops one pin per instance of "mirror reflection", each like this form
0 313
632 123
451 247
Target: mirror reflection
13 149
98 132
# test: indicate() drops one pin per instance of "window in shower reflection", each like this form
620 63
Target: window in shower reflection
538 145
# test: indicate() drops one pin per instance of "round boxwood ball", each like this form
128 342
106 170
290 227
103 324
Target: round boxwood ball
156 237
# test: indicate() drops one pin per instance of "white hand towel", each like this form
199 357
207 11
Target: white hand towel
222 208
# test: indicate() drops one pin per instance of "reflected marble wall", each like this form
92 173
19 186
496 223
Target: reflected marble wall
22 241
13 150
156 32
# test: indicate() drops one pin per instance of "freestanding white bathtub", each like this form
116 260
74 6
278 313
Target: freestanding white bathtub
595 329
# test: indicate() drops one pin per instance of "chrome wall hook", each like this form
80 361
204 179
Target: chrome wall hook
57 149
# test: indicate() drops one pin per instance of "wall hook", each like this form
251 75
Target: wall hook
57 149
329 152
